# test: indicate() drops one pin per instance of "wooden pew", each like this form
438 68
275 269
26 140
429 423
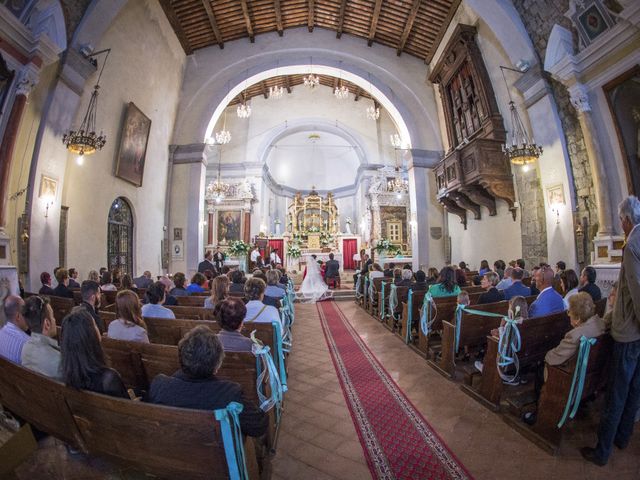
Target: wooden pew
169 331
555 392
396 322
201 312
191 301
416 302
374 302
538 335
61 307
473 289
109 297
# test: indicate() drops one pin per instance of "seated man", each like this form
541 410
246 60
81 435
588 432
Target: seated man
73 275
388 272
144 280
517 288
91 297
332 270
42 352
45 278
13 335
506 281
195 385
588 283
406 278
62 290
549 301
154 309
492 294
421 281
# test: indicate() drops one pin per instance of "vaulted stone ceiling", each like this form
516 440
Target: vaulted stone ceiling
412 26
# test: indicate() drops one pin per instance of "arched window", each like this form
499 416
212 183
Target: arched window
120 236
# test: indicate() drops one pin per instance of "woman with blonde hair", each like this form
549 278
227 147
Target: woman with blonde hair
94 276
129 325
219 291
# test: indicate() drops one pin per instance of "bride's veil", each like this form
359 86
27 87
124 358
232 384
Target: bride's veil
313 287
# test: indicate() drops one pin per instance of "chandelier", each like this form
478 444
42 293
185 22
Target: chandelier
397 184
243 110
276 92
217 190
85 141
341 92
520 150
311 81
223 136
373 112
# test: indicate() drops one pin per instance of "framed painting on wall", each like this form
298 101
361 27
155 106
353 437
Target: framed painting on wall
133 145
228 223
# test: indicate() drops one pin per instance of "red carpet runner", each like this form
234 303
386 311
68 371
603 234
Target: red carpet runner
397 441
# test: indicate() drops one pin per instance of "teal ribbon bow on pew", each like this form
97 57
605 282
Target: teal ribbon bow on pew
577 383
232 440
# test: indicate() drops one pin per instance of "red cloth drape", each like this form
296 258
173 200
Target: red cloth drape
279 244
349 249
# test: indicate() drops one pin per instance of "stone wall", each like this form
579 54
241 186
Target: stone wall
532 219
539 18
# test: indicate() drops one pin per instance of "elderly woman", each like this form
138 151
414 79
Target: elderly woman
196 386
492 294
406 278
230 314
446 286
257 311
219 291
273 289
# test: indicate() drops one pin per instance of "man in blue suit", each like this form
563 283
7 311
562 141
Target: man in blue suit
549 301
517 287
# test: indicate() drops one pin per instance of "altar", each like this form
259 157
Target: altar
312 221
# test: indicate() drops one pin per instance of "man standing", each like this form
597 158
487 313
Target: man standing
274 258
206 264
623 392
13 335
144 280
218 260
588 283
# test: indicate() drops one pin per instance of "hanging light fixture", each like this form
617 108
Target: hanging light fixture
341 91
520 150
398 185
85 141
311 81
373 111
223 136
217 190
243 110
276 92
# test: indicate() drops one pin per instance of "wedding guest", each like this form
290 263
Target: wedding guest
257 311
129 325
196 386
83 364
127 283
432 275
144 280
230 314
560 268
41 353
219 291
406 278
492 294
463 298
463 267
507 281
259 262
45 279
520 263
517 288
461 277
178 290
154 309
569 285
375 271
116 276
13 334
91 296
197 283
273 289
446 285
549 301
421 281
499 267
397 275
388 272
61 290
106 284
484 267
588 283
169 300
237 282
73 275
94 276
284 278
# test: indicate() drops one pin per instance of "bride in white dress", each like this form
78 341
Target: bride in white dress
313 288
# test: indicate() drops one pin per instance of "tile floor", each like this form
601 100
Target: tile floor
318 440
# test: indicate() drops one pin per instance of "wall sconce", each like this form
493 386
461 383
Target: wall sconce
48 190
555 198
48 203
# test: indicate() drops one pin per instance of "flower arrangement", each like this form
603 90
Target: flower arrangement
238 248
313 229
293 250
385 245
325 238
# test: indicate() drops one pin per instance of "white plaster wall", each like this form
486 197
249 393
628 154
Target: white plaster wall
145 66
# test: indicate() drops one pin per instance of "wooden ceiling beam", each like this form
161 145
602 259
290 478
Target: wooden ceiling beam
310 19
408 26
175 24
442 30
343 7
287 83
276 5
374 22
247 20
213 23
357 94
265 90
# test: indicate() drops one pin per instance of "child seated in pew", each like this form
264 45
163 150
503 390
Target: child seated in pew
230 314
196 386
463 298
129 325
586 323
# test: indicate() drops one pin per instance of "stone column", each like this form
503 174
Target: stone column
187 203
26 80
580 100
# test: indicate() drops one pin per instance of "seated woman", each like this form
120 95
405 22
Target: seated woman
406 278
375 271
492 294
273 285
106 284
219 291
83 364
127 283
237 282
197 283
179 290
461 276
116 277
569 285
446 286
484 267
196 386
257 311
129 325
94 276
432 275
230 314
156 296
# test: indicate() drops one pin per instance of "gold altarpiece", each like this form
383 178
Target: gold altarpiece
311 217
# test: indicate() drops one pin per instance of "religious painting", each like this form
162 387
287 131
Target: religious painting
393 223
48 188
229 222
591 19
177 250
133 145
177 234
555 195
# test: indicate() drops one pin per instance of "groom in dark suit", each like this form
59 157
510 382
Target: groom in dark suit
332 270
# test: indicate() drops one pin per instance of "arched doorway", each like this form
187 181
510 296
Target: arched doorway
120 236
